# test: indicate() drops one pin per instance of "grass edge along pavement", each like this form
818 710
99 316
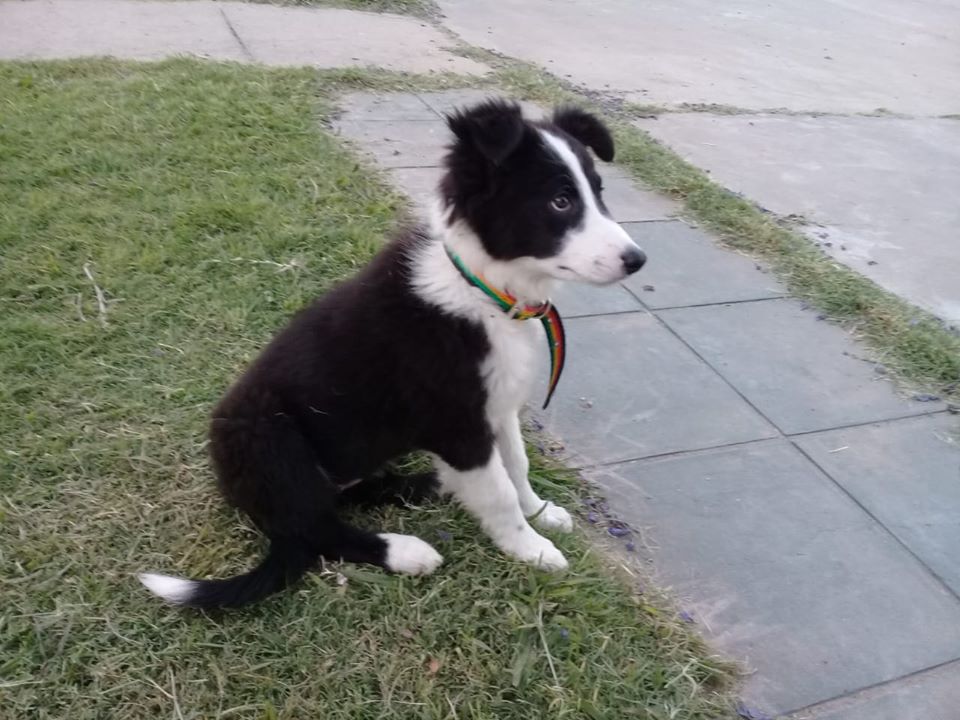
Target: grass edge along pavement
423 9
911 344
158 222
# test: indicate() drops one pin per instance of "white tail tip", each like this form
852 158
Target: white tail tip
172 589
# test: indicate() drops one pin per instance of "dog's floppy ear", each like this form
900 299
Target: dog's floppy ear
495 128
587 129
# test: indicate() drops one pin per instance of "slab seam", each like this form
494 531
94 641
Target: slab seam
679 453
740 443
719 303
865 423
830 477
236 36
411 167
868 688
933 573
611 313
428 106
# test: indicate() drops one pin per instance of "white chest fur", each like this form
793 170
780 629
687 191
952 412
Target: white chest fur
508 369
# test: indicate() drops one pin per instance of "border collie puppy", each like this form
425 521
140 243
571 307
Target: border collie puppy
417 352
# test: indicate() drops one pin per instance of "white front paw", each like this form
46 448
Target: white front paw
537 550
554 517
409 555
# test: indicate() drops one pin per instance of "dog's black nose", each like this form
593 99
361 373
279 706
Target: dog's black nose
633 260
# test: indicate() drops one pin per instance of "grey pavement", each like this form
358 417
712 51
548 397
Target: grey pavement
243 32
845 56
903 700
801 508
879 193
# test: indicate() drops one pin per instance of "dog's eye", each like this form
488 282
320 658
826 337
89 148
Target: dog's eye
561 203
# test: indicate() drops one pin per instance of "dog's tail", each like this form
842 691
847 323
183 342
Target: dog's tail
285 563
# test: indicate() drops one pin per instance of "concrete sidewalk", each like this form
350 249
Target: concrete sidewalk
802 510
242 32
879 193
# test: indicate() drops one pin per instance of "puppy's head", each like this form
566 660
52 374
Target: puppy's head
530 191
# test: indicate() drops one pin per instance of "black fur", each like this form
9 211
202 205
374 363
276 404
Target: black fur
502 179
346 387
370 371
587 129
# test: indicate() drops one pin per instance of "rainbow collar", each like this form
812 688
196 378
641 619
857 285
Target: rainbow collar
546 313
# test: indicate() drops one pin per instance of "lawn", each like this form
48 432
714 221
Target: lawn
157 224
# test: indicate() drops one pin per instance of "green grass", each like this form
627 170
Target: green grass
417 8
207 204
916 347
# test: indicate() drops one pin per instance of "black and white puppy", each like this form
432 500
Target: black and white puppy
409 355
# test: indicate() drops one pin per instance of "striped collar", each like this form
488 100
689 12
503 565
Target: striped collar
546 313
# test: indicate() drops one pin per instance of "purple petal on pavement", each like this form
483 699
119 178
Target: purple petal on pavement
926 397
592 517
630 546
686 617
749 713
618 531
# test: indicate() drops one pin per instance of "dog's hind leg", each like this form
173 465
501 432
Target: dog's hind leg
544 513
389 487
268 469
296 497
488 493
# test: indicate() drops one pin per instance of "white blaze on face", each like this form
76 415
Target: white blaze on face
593 251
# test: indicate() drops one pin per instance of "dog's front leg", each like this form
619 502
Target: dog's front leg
514 453
488 493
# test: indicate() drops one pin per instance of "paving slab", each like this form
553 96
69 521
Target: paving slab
402 143
802 373
931 695
630 389
831 55
140 30
268 34
384 107
782 570
331 37
419 184
687 267
907 474
580 300
628 201
879 194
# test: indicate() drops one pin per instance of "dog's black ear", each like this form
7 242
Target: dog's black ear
587 129
494 127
